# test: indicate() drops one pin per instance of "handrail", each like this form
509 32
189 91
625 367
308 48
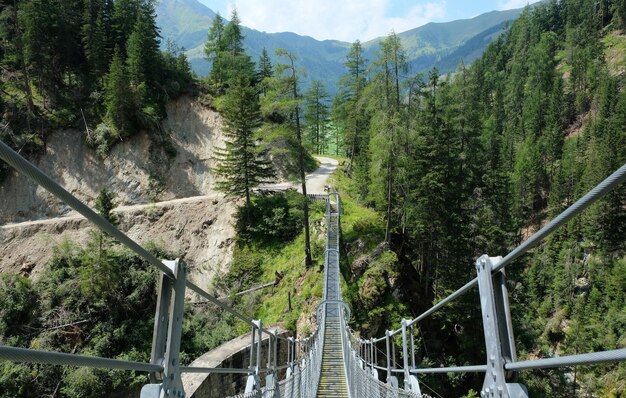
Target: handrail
570 360
17 354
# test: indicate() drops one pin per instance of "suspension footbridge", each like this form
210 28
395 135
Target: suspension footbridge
333 361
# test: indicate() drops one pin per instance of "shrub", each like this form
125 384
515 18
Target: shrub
102 139
19 303
270 220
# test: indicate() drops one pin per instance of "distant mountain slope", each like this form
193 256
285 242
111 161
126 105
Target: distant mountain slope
444 44
184 21
434 44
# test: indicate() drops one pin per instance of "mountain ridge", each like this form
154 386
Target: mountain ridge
186 22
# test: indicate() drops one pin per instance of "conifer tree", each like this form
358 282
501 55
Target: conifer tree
353 84
215 38
118 103
241 164
316 115
284 98
123 20
143 54
233 38
265 70
214 50
94 39
386 129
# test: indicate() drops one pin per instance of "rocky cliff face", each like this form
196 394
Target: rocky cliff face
169 201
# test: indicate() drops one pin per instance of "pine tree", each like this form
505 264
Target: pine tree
143 54
353 84
233 38
265 70
119 105
94 39
105 203
316 115
123 20
284 98
386 129
214 50
241 164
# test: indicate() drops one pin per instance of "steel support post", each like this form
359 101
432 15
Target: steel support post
254 381
290 355
375 354
391 379
167 333
366 354
259 346
270 379
275 355
372 350
410 381
498 330
412 347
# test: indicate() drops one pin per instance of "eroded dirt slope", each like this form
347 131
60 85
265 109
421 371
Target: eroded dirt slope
188 219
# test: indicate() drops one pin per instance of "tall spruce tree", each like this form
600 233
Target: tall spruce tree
214 50
316 116
386 126
143 54
233 37
241 164
119 105
353 84
265 70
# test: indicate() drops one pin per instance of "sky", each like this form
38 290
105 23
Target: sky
349 20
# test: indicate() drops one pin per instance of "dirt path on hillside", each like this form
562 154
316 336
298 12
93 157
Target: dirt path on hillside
315 181
118 210
197 228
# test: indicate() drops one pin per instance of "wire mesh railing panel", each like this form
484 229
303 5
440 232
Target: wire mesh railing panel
365 384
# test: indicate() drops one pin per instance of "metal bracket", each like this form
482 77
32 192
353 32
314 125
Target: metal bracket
498 329
168 327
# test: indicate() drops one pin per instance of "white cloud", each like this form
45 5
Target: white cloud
512 4
346 20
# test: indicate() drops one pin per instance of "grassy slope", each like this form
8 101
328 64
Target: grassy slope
366 289
304 285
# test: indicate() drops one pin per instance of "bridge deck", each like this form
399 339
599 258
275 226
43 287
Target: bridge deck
333 376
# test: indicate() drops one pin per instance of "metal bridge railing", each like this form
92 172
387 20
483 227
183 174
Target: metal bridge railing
501 362
164 368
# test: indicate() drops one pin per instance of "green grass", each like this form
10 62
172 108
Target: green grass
304 285
287 258
362 230
615 53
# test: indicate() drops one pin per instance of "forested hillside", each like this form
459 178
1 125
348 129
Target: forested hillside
89 64
473 163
